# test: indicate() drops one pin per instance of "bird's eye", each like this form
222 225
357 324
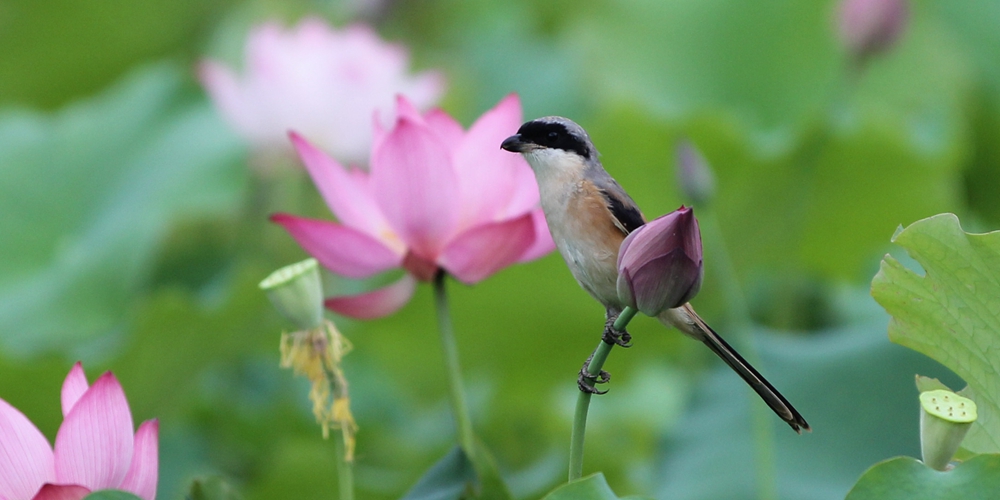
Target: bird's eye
553 135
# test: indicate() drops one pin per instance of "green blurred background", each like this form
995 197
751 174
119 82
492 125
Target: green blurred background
134 233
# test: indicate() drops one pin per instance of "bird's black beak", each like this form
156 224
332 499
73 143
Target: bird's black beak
514 144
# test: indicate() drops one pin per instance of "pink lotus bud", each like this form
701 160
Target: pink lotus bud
660 264
867 27
694 174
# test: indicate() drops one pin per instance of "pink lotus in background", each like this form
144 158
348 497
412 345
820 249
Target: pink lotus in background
95 448
867 27
321 82
436 197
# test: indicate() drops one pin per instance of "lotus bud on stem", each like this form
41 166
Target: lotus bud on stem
660 264
659 268
870 27
694 175
945 417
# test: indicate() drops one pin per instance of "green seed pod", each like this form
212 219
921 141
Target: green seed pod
297 293
945 418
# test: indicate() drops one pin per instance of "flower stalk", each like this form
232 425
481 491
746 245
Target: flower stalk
345 468
460 409
583 399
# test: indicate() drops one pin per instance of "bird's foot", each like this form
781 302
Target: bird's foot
615 337
587 382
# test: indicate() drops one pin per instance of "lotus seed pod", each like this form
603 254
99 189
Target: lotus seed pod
296 291
945 418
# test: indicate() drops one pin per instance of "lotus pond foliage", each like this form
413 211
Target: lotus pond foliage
160 159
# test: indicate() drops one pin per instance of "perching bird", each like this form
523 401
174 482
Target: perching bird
589 215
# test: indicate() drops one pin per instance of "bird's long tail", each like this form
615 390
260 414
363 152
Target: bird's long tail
688 322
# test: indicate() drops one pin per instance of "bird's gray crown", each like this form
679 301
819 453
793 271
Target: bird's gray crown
558 133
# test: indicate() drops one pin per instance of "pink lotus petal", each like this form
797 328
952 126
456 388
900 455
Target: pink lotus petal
416 187
94 443
378 130
487 174
25 456
524 197
265 46
313 32
449 130
61 492
375 304
73 387
343 190
406 110
483 250
143 473
543 238
343 250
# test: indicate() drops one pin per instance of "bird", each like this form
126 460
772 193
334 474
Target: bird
589 215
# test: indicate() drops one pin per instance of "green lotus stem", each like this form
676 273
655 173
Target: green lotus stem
345 469
466 439
345 464
583 399
620 323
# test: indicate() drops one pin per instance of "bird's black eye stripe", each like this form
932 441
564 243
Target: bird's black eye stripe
553 135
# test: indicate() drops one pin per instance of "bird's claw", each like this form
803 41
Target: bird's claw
615 337
587 382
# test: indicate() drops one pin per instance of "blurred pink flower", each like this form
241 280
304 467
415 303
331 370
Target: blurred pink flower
321 82
867 27
436 197
95 448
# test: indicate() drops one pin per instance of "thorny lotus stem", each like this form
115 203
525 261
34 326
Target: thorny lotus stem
583 399
739 319
458 405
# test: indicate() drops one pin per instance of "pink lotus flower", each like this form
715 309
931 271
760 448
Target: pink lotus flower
95 448
436 197
321 82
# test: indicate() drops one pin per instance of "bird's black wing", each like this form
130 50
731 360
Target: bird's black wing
627 216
